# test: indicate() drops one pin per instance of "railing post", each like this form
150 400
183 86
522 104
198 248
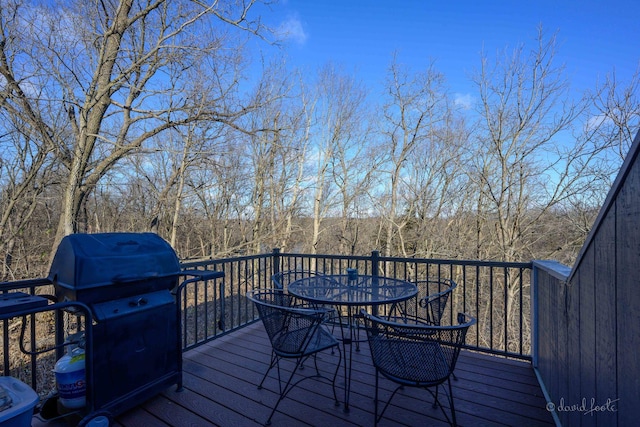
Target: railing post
275 263
223 308
375 272
375 260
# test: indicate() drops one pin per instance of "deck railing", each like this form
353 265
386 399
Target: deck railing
496 293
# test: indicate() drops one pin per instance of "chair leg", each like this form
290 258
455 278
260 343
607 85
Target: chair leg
335 375
283 390
303 362
272 363
436 403
375 405
453 410
387 403
290 384
452 421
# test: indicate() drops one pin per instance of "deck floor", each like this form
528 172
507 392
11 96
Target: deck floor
220 381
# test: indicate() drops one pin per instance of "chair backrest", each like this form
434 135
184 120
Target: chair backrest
289 327
436 303
413 353
282 279
432 298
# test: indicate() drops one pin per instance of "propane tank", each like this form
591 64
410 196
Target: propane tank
70 378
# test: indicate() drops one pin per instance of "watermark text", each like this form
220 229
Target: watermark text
585 406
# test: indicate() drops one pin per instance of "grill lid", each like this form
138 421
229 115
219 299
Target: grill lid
85 261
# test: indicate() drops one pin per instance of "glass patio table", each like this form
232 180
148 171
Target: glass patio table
349 293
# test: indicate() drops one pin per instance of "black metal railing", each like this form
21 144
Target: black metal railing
496 293
213 308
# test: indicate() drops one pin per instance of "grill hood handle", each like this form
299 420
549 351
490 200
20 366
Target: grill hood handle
121 278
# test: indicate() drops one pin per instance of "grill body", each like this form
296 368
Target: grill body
126 280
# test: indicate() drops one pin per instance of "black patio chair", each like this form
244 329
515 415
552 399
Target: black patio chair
413 354
430 302
295 333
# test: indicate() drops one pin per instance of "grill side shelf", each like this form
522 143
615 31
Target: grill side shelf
14 302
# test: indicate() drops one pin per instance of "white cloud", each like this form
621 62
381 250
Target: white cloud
292 30
595 122
465 101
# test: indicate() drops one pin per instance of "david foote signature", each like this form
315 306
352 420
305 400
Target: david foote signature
585 407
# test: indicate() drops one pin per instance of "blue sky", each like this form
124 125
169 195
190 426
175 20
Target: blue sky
594 37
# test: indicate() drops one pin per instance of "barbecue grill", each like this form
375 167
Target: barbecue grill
126 280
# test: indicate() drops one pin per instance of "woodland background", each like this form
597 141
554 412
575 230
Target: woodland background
149 116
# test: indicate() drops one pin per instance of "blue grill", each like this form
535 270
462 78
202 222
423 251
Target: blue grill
126 280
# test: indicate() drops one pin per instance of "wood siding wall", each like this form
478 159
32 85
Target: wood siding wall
588 319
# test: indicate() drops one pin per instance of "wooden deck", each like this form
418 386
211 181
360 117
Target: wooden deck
220 390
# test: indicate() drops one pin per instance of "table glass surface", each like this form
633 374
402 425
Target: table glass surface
345 290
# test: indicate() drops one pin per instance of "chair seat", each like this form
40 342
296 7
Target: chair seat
418 364
287 344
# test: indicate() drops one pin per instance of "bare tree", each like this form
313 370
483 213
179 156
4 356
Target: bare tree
109 67
521 169
268 150
337 139
222 193
354 165
435 190
614 116
411 113
25 173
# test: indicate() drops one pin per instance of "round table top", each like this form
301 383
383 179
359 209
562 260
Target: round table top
344 289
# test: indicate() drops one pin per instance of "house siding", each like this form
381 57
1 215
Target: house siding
588 332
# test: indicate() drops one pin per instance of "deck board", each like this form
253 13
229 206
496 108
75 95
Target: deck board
220 381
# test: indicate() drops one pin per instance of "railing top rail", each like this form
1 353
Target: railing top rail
202 263
442 261
460 262
528 264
